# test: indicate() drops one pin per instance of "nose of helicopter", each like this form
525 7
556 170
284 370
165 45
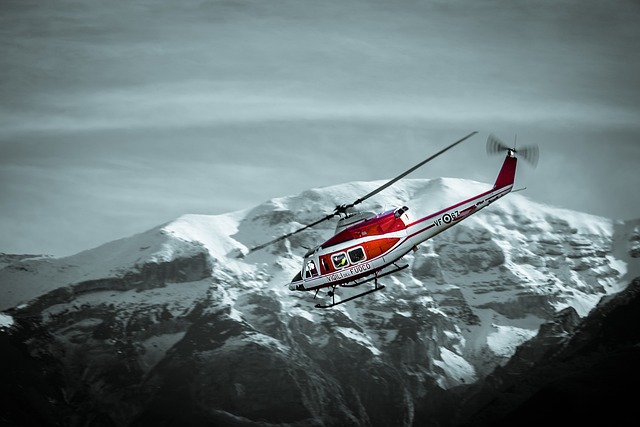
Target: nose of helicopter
296 283
296 286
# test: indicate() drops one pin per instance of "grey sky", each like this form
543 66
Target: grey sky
118 116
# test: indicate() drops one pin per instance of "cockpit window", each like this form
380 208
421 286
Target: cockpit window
339 260
398 212
311 269
356 255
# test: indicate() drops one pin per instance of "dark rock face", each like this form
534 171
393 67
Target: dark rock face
576 372
603 391
32 388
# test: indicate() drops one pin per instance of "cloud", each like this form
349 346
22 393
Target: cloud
117 67
128 114
207 104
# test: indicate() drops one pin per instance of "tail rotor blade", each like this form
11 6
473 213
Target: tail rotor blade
530 154
494 145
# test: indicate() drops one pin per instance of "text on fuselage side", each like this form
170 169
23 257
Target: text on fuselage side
348 272
446 218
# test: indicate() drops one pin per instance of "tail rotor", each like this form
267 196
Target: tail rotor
529 153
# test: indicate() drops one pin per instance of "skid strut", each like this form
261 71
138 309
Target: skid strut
377 287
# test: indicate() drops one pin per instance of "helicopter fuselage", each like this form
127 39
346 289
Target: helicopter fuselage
373 244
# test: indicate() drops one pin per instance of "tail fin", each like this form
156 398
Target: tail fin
507 174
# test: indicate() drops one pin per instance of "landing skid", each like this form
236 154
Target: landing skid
333 304
386 273
377 288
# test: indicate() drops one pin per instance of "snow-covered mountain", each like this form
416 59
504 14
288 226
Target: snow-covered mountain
171 326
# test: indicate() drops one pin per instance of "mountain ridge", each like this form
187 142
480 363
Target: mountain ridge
177 310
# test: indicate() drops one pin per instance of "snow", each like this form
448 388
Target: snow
617 264
458 370
504 341
212 231
6 321
360 338
267 341
583 303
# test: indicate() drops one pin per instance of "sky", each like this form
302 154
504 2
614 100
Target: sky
119 116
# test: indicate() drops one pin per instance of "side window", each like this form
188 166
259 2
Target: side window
311 269
339 260
325 264
356 255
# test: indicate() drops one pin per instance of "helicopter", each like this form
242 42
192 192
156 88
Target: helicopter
367 246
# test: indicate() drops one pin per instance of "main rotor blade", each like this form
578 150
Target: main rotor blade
343 208
263 245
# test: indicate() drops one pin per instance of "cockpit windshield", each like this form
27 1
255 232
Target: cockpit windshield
310 269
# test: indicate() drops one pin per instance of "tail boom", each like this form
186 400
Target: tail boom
427 227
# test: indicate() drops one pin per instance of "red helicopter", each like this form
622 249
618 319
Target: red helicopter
366 246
